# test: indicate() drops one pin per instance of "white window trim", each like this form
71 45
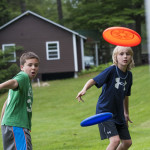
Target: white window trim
14 53
58 50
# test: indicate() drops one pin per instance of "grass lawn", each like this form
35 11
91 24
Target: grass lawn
57 114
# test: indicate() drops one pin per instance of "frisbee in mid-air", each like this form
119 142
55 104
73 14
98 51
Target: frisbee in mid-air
122 36
98 118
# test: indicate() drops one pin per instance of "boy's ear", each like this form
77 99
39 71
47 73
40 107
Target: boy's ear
21 67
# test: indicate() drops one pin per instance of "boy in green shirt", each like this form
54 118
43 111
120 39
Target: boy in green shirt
17 110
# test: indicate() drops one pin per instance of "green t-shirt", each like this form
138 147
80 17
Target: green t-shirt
18 111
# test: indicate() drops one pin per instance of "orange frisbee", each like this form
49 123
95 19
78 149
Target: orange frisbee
122 36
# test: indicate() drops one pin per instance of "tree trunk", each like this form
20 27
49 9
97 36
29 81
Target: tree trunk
22 6
138 49
60 13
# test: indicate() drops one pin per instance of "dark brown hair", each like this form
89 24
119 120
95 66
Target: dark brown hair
28 55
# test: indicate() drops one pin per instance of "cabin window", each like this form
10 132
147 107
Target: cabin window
52 50
9 52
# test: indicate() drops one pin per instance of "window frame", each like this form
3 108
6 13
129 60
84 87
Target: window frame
12 53
57 50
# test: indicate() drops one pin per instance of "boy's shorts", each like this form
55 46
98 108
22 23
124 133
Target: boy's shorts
16 138
109 129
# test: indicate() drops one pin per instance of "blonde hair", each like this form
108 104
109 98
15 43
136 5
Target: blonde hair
117 50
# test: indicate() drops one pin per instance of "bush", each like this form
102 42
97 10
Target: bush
95 69
8 73
7 69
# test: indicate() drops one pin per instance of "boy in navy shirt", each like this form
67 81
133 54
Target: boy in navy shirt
116 82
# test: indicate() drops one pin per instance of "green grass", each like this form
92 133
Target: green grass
57 114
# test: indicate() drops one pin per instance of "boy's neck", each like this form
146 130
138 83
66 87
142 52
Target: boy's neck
122 68
28 75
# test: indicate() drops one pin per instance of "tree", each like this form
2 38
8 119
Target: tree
22 6
94 15
10 9
4 12
100 14
7 69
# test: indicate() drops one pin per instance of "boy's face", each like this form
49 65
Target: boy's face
31 67
124 58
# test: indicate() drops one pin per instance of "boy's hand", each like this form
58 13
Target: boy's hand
127 118
81 93
80 99
89 84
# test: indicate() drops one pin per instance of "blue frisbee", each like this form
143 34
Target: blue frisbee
95 119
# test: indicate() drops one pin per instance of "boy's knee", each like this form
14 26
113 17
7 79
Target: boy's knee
115 141
127 143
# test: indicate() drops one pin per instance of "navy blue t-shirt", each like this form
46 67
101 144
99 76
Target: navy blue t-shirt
115 84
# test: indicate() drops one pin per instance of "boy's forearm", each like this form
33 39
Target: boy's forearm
89 84
126 105
10 84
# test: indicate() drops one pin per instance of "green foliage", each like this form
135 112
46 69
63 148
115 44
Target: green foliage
83 14
7 69
4 12
96 14
48 9
99 15
95 69
8 73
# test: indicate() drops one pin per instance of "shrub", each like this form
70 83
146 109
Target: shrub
95 69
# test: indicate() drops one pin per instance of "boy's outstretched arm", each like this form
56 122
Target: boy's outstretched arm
10 84
88 84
